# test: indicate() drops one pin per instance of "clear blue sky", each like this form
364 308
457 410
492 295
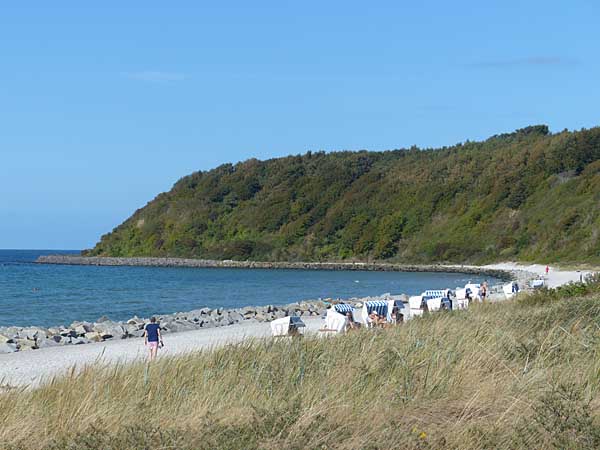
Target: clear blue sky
103 107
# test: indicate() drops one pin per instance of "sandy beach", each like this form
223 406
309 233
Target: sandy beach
555 277
30 368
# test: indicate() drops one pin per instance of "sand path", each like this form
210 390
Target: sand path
30 368
555 277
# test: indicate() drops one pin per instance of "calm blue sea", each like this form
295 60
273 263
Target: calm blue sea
45 295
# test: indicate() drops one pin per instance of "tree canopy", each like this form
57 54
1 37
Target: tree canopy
527 195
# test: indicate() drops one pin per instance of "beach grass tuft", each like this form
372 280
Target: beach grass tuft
521 374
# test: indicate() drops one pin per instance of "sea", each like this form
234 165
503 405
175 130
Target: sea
49 295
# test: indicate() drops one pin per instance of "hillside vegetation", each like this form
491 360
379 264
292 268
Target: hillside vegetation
516 375
527 195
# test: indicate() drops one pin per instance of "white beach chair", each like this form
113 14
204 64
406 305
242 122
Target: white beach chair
434 304
508 290
280 327
536 284
335 322
402 309
414 305
287 326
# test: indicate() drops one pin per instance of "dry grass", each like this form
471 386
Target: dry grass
515 375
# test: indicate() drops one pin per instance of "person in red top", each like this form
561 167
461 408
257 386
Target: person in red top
547 270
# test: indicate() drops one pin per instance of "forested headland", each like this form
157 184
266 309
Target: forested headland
528 195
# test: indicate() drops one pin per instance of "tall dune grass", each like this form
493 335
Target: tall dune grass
523 374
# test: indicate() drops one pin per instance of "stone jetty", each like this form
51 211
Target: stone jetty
231 264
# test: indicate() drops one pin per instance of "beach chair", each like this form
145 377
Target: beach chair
433 304
335 322
474 290
461 293
537 284
415 305
379 306
510 289
434 293
287 326
437 299
343 308
404 309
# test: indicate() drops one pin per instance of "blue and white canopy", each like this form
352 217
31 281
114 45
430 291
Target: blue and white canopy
343 308
379 306
435 293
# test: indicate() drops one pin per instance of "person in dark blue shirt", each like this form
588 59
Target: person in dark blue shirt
152 337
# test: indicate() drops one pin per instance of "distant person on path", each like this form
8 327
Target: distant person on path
483 291
547 270
152 337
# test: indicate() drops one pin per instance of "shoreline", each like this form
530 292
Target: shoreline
14 338
31 368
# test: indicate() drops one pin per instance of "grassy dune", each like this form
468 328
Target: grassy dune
522 374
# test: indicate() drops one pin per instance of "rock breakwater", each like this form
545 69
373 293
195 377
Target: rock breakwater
230 264
13 339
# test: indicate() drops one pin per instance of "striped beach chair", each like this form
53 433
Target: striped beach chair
343 308
379 306
437 298
435 293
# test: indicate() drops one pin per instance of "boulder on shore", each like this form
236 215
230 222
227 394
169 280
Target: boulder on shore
26 344
6 339
109 330
44 343
6 347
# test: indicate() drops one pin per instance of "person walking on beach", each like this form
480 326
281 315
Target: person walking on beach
483 291
152 337
547 270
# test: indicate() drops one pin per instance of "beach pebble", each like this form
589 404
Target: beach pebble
33 333
44 343
7 347
82 329
55 330
6 339
136 333
131 329
25 344
135 320
208 323
109 329
93 336
236 317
